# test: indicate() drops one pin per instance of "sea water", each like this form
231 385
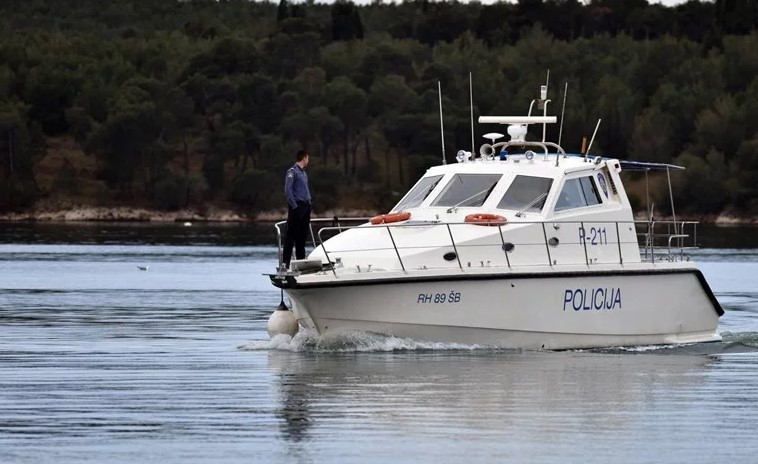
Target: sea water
102 362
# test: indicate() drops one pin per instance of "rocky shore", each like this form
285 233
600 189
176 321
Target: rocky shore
131 214
65 211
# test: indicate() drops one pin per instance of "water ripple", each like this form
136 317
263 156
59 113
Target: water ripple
100 362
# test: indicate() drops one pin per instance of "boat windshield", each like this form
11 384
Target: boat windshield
418 193
467 190
523 192
577 193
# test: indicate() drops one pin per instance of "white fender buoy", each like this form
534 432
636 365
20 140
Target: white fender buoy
282 321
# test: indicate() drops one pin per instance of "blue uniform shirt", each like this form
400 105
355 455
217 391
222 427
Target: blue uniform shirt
296 186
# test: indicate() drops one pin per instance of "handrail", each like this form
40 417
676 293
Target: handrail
278 226
394 245
547 246
654 245
618 236
677 236
455 249
502 240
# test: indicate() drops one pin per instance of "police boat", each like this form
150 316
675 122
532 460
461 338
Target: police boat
524 246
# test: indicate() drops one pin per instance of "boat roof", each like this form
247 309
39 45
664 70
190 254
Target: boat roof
571 162
645 166
539 165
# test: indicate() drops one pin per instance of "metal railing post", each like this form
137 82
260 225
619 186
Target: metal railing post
648 238
395 247
652 242
500 230
326 255
313 237
547 246
455 249
584 244
618 240
279 244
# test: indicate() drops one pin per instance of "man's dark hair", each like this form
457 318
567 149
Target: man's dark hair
300 155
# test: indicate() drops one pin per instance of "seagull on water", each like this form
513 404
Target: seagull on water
143 268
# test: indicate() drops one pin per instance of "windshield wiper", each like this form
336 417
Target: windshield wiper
431 187
533 202
420 192
488 190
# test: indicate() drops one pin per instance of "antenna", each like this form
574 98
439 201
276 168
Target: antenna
471 101
563 111
542 104
442 128
592 139
673 213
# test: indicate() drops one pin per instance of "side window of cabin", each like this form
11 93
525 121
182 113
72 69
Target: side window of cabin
577 193
526 191
467 190
418 193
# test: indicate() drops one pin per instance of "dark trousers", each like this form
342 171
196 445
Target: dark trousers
298 221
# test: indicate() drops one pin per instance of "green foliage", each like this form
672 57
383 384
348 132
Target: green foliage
180 102
65 180
326 182
704 188
122 143
346 22
49 90
21 143
178 191
79 123
16 194
256 190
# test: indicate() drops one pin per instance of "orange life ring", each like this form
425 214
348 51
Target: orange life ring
484 219
390 218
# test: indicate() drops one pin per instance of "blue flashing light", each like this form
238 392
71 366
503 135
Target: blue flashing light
503 155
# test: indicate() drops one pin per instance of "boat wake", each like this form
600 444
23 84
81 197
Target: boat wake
348 342
731 343
357 342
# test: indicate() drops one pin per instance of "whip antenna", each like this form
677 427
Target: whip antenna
471 101
592 139
563 111
442 128
542 103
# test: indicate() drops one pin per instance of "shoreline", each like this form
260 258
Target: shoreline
223 215
143 215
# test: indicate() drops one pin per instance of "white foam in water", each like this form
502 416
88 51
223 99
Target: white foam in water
743 338
306 341
347 342
644 348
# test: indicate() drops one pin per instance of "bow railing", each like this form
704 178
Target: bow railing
656 241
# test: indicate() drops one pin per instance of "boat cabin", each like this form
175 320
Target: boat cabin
521 186
538 205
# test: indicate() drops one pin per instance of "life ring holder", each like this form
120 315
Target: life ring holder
485 219
389 218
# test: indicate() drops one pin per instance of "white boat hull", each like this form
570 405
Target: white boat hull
540 309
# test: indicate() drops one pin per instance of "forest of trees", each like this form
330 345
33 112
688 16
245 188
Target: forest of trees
177 103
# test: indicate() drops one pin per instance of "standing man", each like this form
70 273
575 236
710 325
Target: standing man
299 208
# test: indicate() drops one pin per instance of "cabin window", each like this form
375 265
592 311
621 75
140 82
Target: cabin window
467 190
418 193
526 193
577 193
